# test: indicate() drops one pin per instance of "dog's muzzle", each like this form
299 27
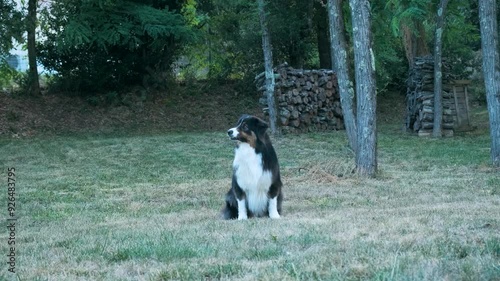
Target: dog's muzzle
233 134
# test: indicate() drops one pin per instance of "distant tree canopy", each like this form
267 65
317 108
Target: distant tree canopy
102 45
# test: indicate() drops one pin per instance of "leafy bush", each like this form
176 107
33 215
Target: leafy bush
8 75
108 45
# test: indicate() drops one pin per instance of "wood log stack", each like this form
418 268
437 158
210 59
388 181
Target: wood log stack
306 100
420 98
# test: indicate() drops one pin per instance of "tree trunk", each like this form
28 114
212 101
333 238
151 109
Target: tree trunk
414 44
408 44
491 71
421 48
34 85
268 65
321 19
437 130
341 67
364 63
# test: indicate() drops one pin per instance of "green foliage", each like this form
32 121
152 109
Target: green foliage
102 45
407 12
108 45
293 33
11 25
461 37
390 60
390 63
230 46
7 75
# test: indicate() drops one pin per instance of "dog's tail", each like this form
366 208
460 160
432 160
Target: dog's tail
230 211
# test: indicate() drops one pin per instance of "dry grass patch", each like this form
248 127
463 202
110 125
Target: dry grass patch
146 208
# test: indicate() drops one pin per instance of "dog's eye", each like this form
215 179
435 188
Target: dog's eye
244 127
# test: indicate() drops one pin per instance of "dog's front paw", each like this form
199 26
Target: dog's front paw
274 215
242 217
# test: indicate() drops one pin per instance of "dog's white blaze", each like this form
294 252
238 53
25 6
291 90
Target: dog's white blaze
252 178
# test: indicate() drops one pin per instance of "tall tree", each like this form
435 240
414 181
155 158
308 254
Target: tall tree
491 71
339 61
437 130
34 84
366 96
268 65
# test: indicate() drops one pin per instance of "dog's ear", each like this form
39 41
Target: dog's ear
262 126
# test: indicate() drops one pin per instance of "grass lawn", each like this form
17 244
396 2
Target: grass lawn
146 207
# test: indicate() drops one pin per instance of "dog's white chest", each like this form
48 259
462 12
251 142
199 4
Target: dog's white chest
252 178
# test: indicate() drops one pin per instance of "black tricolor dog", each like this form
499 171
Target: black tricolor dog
256 185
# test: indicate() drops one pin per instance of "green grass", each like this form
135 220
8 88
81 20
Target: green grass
147 208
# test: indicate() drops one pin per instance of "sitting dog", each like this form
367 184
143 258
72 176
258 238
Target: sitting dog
256 184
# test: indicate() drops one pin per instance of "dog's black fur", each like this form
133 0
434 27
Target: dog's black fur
252 131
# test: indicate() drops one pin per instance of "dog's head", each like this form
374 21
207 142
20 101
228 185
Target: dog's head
249 129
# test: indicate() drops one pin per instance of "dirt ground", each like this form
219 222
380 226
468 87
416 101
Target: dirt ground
188 108
215 108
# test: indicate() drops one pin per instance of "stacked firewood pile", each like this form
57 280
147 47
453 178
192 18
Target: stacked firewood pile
420 98
306 100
